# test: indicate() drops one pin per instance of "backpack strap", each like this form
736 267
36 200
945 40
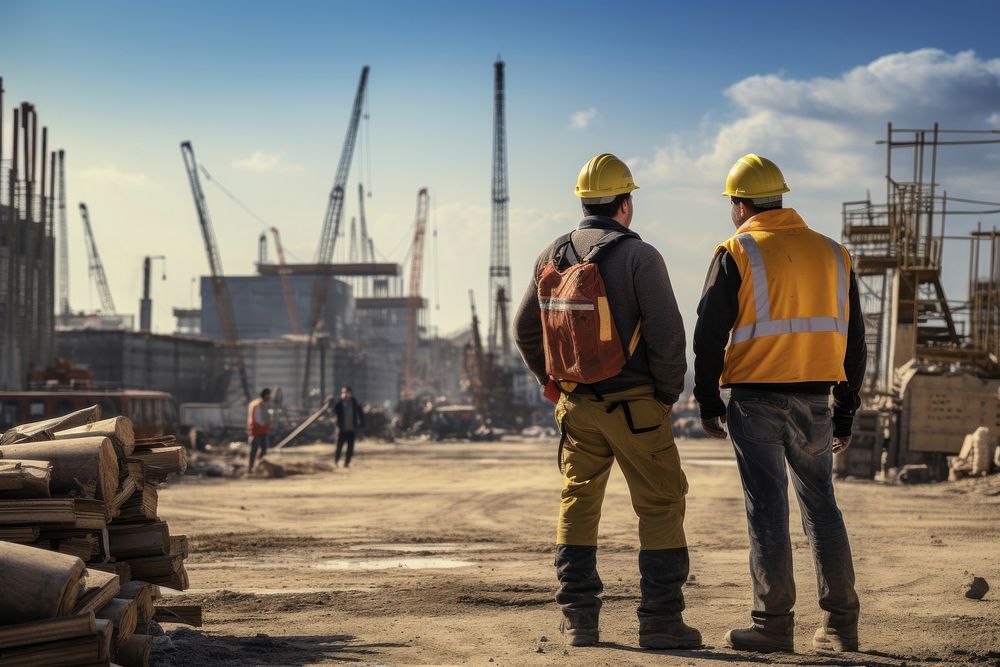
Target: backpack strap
563 251
608 241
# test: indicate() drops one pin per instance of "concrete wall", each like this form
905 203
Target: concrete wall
261 312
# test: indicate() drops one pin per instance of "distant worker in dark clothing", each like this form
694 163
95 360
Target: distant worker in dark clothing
350 417
258 426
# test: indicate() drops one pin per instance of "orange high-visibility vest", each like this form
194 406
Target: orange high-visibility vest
793 303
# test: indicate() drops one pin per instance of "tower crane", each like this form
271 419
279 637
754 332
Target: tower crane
96 267
331 224
413 301
63 239
223 303
286 285
499 336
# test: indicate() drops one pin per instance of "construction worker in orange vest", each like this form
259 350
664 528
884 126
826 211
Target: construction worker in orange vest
780 323
601 294
258 426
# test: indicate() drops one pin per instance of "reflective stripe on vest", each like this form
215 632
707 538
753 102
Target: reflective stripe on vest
563 304
764 325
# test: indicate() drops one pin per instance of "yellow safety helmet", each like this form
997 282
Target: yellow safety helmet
603 178
754 177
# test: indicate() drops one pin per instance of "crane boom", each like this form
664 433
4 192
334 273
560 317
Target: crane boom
96 266
414 301
331 224
223 303
286 285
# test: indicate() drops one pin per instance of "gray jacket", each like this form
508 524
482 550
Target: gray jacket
638 286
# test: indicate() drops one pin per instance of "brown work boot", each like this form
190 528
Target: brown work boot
832 639
667 632
755 639
580 629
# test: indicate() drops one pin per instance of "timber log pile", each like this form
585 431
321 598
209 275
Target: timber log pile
82 552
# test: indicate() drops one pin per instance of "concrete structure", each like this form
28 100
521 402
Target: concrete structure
261 313
192 369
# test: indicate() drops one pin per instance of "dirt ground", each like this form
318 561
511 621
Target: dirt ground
441 553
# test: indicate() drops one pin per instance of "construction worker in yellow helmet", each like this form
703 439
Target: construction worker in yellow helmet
600 329
780 324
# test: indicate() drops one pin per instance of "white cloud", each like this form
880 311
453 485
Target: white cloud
581 120
264 162
110 174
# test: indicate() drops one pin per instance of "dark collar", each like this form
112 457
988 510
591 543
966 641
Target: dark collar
601 222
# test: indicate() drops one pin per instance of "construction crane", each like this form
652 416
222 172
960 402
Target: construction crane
499 336
63 239
286 285
95 265
413 301
476 368
223 303
331 224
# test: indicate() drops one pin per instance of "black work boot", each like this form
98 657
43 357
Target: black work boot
663 573
768 634
835 639
579 588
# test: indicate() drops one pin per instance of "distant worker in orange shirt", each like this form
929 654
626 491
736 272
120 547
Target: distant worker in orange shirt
258 426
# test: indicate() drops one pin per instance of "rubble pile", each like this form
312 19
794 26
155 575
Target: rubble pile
82 551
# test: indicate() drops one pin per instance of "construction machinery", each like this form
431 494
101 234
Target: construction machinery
220 290
96 266
499 286
934 362
146 304
331 224
414 301
286 285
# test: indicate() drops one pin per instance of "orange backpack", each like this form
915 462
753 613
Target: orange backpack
581 341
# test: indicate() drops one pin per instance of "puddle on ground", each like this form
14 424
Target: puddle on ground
270 591
416 563
437 547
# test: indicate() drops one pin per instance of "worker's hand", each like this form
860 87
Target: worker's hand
840 444
713 428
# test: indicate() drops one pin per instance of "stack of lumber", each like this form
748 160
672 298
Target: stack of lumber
84 491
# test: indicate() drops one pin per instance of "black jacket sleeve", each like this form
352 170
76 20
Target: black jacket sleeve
846 395
528 329
716 315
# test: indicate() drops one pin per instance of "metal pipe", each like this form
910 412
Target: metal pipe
11 374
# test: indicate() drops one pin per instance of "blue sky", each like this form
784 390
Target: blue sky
680 90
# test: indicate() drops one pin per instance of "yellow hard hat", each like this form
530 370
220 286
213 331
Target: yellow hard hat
603 178
754 177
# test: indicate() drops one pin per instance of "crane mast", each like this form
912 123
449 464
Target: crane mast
499 337
331 224
63 239
365 257
286 285
414 302
223 303
96 266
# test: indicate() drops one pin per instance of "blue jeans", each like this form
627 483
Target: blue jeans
771 430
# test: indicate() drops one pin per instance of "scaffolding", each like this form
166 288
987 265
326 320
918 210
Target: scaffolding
899 248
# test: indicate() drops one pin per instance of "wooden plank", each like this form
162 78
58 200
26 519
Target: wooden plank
43 430
37 584
83 467
120 568
20 534
47 630
100 588
159 463
142 592
135 540
33 512
179 545
153 567
185 614
135 651
117 429
141 505
121 613
85 649
24 478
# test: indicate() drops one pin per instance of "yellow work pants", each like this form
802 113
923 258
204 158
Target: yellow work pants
595 438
